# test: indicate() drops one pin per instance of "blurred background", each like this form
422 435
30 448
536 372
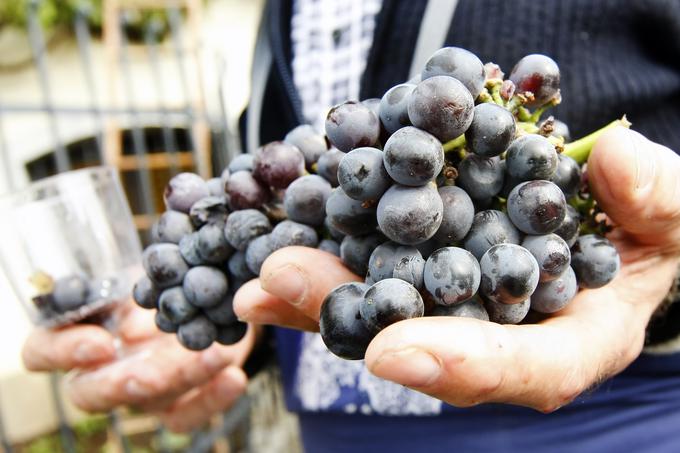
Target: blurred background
151 87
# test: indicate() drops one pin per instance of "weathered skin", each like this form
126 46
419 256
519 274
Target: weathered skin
410 215
595 261
489 228
509 274
452 275
554 295
413 157
537 207
389 301
362 175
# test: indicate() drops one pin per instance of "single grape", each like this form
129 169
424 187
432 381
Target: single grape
510 274
458 63
245 192
258 250
480 177
288 233
175 306
183 190
451 275
327 166
362 175
491 131
385 256
442 106
567 176
164 265
305 199
231 334
238 268
538 74
413 157
457 215
145 293
410 215
537 207
568 229
209 210
241 162
222 314
507 313
212 246
554 295
342 329
560 129
311 144
531 157
164 324
394 107
355 251
595 261
373 105
70 292
552 254
411 269
389 301
188 248
330 246
205 286
172 226
243 226
488 229
216 185
352 125
277 164
197 334
349 216
334 233
472 308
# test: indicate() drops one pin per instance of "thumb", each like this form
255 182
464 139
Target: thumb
637 183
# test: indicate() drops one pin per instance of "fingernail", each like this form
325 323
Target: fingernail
136 389
90 352
287 282
411 367
645 160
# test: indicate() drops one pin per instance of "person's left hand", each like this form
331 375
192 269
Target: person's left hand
546 365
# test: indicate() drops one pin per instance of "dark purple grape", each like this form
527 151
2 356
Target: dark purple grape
205 286
362 175
480 177
384 257
164 265
352 125
355 251
183 190
413 157
243 226
327 166
488 229
277 164
492 130
335 234
238 267
342 329
245 192
330 246
216 185
537 207
472 308
145 293
211 245
197 334
457 216
349 216
410 215
172 226
164 324
305 199
554 295
451 275
442 106
531 157
222 314
551 253
241 162
231 334
567 176
310 143
568 229
458 63
411 269
595 261
538 74
210 209
394 107
175 306
389 301
507 313
258 250
560 129
288 233
510 274
188 248
70 292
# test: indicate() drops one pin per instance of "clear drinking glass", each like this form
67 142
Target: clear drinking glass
69 246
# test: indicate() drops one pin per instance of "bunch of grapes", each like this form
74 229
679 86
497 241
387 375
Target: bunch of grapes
450 195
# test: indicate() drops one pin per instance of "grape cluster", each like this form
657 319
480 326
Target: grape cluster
449 195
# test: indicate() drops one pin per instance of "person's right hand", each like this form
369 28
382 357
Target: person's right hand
152 371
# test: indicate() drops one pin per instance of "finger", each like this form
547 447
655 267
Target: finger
64 349
253 304
196 408
466 362
162 370
135 323
636 182
303 277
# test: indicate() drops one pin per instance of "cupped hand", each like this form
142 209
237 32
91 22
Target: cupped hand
149 370
546 365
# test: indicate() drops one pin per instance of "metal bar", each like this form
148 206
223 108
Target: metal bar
232 419
169 139
37 40
66 435
138 142
228 142
123 442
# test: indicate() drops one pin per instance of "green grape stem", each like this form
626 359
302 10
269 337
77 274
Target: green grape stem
457 142
579 150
